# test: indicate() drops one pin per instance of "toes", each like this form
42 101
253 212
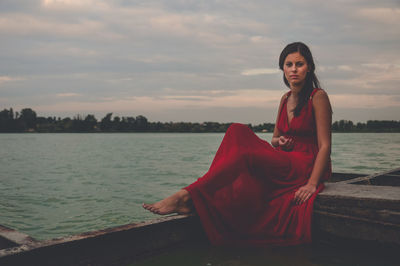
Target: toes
157 208
149 207
153 209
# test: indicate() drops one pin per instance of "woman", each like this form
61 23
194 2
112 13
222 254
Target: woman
258 194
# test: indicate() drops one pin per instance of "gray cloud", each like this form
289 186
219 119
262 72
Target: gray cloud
88 51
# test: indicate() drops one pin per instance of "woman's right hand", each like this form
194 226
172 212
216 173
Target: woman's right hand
286 143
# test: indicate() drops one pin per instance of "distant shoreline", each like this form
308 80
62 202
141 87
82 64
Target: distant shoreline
165 132
27 121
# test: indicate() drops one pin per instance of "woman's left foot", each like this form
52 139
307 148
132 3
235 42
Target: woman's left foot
179 202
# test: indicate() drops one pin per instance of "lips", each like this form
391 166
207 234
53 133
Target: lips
294 76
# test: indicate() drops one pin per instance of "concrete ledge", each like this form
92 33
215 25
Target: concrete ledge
338 177
343 209
355 228
112 246
380 197
361 212
366 179
11 238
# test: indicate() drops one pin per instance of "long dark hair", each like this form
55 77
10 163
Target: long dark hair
311 81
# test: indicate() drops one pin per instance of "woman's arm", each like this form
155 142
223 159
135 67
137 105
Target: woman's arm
323 120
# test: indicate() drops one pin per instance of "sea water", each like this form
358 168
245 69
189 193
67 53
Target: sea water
53 185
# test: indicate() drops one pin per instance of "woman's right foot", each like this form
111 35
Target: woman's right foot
179 202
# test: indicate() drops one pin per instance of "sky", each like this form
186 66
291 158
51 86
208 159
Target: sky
194 60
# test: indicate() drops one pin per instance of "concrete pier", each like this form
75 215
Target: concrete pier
361 208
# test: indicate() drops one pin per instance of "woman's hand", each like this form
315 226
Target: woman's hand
286 143
304 193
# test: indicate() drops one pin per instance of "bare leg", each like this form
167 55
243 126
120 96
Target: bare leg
180 203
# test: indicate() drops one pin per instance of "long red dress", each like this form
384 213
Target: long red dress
246 196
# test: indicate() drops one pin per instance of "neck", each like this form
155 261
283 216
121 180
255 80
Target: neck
296 88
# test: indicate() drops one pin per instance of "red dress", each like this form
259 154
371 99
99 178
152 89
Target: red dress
246 196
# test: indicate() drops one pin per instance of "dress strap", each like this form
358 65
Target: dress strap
283 104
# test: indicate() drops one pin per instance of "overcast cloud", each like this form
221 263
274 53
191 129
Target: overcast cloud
178 60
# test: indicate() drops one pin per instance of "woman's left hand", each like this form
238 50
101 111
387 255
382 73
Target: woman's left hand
304 193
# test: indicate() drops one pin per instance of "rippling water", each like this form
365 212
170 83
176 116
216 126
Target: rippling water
53 185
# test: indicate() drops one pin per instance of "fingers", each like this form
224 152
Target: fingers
282 141
301 196
286 142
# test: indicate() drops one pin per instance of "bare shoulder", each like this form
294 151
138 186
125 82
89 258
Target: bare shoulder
321 98
321 103
320 94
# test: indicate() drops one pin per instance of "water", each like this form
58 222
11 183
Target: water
52 185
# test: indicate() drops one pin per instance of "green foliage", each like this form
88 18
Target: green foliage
370 126
106 124
7 121
28 121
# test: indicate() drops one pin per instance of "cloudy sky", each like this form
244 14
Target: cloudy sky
194 60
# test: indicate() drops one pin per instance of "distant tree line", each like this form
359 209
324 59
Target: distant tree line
370 126
27 121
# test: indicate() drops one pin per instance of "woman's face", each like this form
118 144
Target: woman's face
295 69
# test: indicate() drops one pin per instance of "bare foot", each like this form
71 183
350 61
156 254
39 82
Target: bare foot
179 202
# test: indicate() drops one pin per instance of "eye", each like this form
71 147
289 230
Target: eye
289 64
300 64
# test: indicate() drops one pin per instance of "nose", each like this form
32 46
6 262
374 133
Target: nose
294 67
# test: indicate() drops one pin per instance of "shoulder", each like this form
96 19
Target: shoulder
320 99
319 94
